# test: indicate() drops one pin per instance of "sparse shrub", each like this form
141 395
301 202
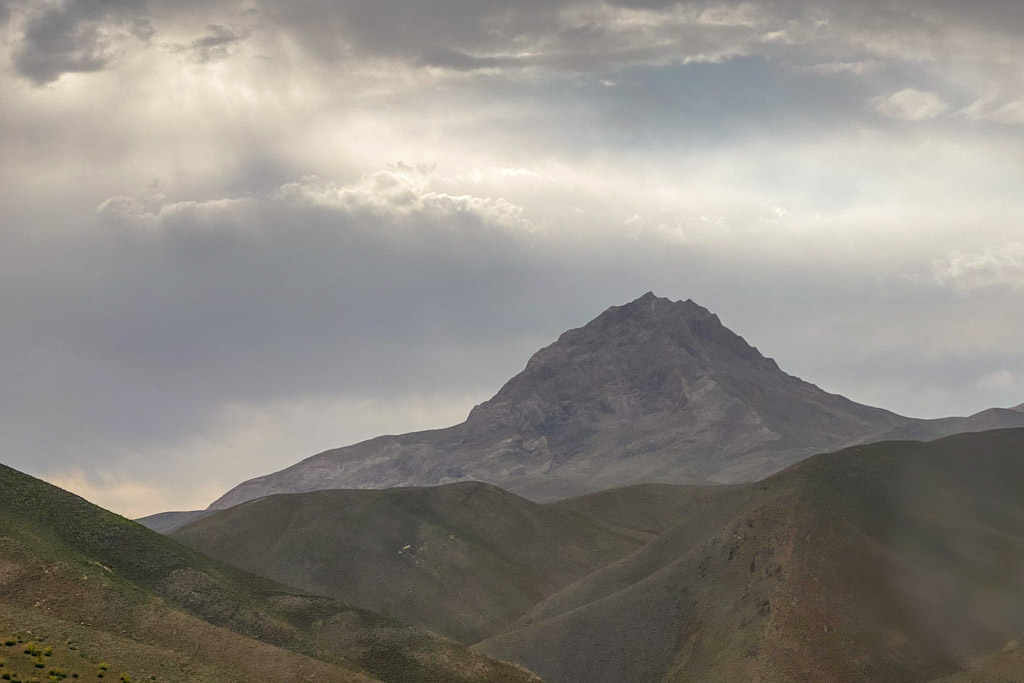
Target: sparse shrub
125 678
5 677
40 662
30 647
48 651
10 642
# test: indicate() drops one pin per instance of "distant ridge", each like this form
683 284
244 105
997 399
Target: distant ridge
652 391
167 522
490 553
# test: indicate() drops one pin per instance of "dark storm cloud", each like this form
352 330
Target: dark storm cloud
76 36
414 29
464 35
217 43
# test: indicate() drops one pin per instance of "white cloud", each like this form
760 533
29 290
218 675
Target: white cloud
994 267
858 68
910 105
997 381
996 108
401 191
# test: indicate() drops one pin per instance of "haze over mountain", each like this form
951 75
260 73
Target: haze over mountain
101 589
464 559
894 562
652 391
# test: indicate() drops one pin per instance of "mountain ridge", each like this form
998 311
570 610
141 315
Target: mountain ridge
651 391
492 554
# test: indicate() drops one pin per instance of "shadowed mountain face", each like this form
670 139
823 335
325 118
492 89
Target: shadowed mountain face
463 559
72 574
891 562
653 391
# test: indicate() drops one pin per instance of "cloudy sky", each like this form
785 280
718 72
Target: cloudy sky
233 234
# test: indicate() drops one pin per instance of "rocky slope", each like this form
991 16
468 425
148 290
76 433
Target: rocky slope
653 391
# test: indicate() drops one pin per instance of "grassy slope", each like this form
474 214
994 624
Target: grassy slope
650 508
490 554
70 571
889 562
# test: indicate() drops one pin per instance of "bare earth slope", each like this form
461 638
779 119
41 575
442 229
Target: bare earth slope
73 574
891 562
653 391
463 559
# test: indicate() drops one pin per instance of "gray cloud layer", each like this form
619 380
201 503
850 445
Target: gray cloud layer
214 260
76 36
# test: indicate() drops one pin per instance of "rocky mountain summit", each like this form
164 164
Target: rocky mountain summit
652 391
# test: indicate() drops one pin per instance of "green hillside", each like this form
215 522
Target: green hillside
97 588
463 559
649 508
893 562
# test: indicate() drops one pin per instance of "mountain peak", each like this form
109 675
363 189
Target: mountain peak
650 304
650 357
651 390
661 331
